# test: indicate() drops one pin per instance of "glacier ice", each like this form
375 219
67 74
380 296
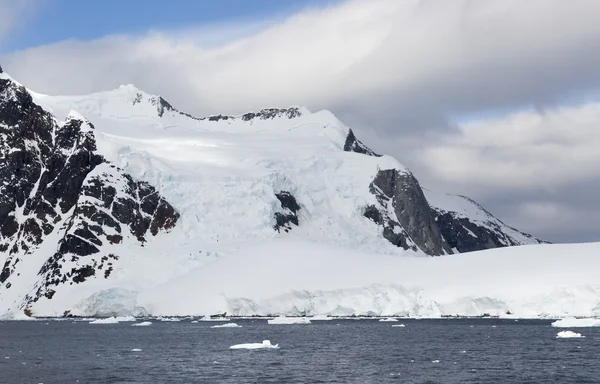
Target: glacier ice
289 320
571 322
568 335
266 344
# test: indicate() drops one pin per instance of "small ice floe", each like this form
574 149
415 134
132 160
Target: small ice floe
208 318
321 318
463 351
435 361
266 344
493 326
398 325
228 325
108 320
289 320
568 335
136 350
576 323
142 324
194 321
388 319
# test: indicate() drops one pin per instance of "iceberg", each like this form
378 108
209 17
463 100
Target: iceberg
136 350
321 318
388 319
576 323
398 325
142 324
568 335
266 344
109 320
288 320
229 325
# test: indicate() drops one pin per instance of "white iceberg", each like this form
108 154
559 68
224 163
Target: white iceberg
136 350
568 335
388 319
228 325
108 320
321 318
572 322
289 320
266 344
398 325
142 324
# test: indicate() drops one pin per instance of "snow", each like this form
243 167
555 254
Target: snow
266 344
536 281
568 335
229 325
109 320
288 320
224 257
142 324
576 323
388 319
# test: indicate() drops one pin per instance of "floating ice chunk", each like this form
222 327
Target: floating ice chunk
266 344
568 335
388 319
136 350
142 324
228 325
398 325
435 361
321 318
463 351
108 320
289 320
194 321
576 323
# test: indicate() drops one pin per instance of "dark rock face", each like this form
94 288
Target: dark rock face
54 186
404 213
289 215
352 144
467 235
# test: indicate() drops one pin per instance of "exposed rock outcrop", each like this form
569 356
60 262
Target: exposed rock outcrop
54 186
289 213
352 144
404 213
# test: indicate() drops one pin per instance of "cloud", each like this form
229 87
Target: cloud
401 72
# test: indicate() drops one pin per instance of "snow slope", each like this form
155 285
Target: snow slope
293 278
215 171
223 175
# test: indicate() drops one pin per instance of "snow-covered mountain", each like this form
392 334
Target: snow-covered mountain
127 193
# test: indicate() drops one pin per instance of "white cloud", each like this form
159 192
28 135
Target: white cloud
537 149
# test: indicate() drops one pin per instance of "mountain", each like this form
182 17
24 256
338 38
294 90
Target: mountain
127 193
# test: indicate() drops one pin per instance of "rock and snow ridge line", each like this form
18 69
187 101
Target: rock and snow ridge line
101 197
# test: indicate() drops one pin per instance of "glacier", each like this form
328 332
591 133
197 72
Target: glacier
281 212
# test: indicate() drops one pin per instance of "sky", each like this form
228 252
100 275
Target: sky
497 100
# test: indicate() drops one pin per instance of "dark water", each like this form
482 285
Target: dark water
338 351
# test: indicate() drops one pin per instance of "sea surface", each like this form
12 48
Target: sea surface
338 351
